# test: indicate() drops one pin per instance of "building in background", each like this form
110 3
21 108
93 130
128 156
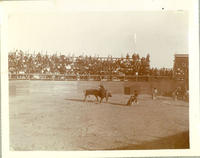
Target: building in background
180 69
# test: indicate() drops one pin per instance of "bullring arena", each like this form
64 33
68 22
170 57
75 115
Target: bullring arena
51 115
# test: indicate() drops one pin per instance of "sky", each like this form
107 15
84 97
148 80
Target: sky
159 33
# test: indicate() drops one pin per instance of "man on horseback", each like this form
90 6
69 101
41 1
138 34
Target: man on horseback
102 91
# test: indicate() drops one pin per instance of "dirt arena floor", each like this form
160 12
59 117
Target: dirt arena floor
51 115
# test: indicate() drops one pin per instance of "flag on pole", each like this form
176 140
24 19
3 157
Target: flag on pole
135 40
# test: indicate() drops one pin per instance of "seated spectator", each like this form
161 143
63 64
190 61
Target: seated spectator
39 63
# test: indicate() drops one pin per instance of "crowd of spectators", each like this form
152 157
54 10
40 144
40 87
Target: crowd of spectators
37 63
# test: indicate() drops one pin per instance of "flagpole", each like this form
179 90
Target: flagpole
135 38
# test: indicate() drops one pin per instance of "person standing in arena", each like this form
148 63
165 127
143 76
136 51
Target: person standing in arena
154 94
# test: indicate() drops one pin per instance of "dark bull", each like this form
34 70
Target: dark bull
97 93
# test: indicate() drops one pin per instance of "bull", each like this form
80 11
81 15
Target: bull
97 93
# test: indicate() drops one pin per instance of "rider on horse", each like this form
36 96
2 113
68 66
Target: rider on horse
102 90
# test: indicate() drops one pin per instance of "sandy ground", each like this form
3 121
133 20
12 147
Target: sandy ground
51 115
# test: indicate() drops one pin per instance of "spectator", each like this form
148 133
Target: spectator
37 63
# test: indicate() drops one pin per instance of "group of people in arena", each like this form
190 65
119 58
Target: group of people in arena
23 63
178 93
133 98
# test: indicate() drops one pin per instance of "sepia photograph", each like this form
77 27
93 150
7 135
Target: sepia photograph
98 80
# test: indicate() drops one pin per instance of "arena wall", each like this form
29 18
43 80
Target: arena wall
165 87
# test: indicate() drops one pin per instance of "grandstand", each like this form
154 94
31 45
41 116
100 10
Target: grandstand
62 67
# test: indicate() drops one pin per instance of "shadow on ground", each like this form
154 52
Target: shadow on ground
94 101
82 100
119 104
178 141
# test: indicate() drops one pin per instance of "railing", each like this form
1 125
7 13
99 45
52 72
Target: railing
73 77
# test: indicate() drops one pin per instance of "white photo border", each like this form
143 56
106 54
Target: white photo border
191 6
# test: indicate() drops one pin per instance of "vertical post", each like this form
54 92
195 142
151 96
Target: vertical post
136 76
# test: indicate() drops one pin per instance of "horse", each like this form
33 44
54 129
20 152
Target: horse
97 93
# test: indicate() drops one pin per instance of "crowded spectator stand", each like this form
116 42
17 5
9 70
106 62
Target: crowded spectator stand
33 66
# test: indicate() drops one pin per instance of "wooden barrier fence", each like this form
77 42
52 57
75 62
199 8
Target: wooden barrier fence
71 77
